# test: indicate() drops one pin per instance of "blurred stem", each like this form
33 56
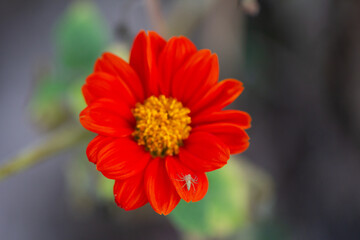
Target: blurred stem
189 236
56 141
181 22
156 16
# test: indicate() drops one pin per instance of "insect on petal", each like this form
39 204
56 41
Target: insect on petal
190 185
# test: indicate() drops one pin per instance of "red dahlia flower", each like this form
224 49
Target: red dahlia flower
160 122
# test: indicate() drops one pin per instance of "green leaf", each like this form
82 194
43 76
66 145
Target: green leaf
81 177
105 189
46 106
75 98
223 210
81 36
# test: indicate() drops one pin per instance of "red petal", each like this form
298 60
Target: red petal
144 58
122 158
204 152
116 66
179 173
221 95
242 119
95 146
102 85
199 73
159 189
107 117
232 135
175 53
130 193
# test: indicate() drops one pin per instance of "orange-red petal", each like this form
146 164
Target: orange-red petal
176 51
221 95
113 65
144 57
103 85
203 152
196 77
108 117
232 135
180 175
122 158
130 193
242 119
159 190
95 146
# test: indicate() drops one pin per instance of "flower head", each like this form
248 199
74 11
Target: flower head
160 122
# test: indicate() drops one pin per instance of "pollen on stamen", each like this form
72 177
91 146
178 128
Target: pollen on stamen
161 125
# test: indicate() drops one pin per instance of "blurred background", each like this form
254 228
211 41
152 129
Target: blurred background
299 61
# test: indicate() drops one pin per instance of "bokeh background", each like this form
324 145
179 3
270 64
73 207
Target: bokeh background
299 61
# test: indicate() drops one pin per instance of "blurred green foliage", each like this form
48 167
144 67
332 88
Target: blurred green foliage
46 106
74 98
81 36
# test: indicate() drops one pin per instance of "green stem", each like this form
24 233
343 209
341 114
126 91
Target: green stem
56 141
156 16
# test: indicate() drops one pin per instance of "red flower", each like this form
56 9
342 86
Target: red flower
160 122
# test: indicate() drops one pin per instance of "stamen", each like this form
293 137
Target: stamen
161 125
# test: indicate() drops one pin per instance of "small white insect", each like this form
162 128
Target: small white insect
189 181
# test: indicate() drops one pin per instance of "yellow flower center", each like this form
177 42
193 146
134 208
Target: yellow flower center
161 125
